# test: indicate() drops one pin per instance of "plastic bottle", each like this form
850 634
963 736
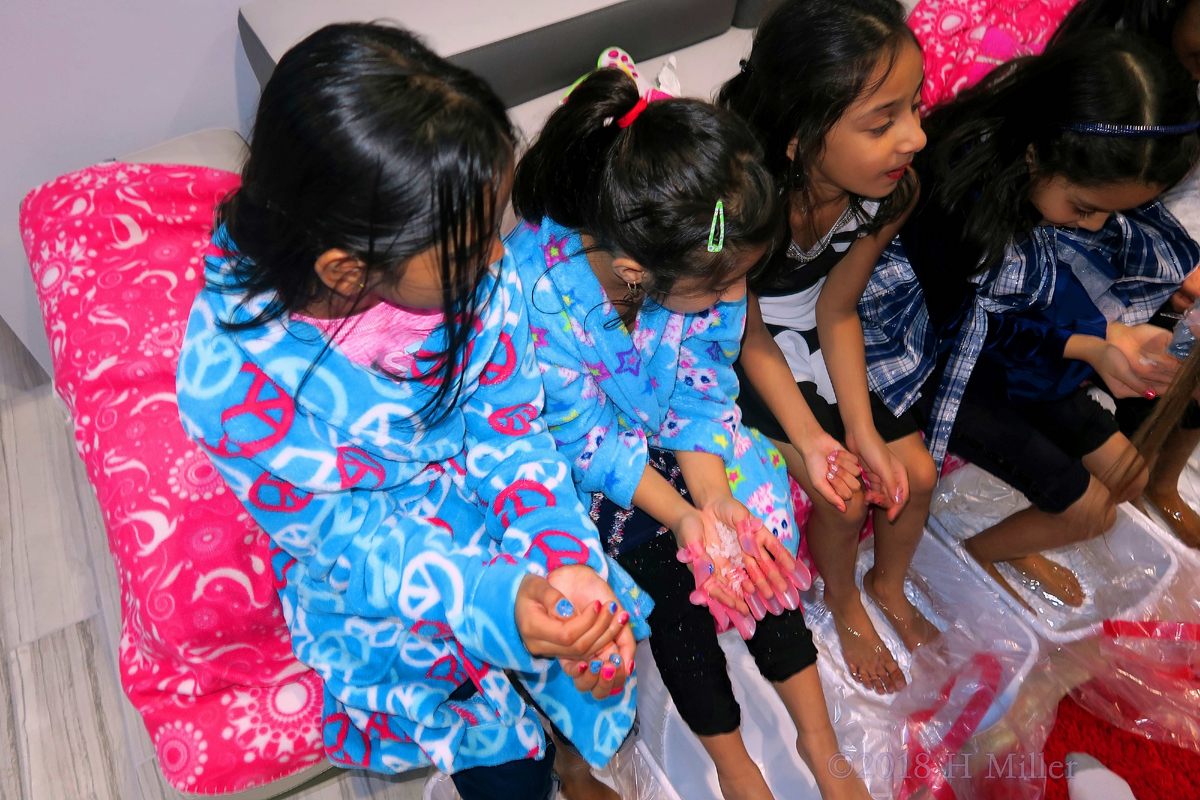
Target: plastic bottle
1185 332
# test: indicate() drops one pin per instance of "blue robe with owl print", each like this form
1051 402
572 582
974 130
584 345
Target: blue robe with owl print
611 393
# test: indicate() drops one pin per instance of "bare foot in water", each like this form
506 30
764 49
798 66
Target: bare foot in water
910 624
1053 580
1179 515
990 569
868 659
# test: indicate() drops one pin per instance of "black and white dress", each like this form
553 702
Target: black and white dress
787 293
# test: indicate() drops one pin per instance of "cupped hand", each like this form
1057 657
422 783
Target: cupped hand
887 476
1113 367
1145 351
832 469
776 574
573 616
697 527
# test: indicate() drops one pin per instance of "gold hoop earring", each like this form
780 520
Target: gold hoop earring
635 290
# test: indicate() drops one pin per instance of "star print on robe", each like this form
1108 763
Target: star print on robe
675 402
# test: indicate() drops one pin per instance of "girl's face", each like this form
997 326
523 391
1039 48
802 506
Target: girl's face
355 289
692 295
870 147
1185 38
1068 205
420 284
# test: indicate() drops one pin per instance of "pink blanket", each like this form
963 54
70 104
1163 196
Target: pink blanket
116 253
963 40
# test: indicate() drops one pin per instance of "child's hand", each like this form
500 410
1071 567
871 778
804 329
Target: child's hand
776 574
832 470
603 669
692 527
550 626
1113 367
1145 349
704 573
1186 294
886 473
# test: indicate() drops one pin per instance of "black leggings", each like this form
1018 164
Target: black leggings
683 636
1034 447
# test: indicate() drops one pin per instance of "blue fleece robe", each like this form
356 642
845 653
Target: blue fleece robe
401 544
670 383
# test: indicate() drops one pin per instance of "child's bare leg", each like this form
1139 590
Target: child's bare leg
1022 537
738 775
1163 488
1119 467
816 742
896 542
833 542
578 782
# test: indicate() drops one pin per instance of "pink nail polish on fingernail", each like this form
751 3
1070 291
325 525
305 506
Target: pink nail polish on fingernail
582 668
616 690
621 620
608 672
1150 394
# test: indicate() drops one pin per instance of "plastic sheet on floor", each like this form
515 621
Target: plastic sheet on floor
956 716
1130 653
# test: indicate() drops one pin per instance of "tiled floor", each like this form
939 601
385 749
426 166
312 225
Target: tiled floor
66 730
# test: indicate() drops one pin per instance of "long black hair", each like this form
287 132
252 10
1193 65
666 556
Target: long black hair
367 142
811 60
989 145
1151 19
649 190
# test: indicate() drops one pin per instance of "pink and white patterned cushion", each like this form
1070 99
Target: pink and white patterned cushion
116 252
964 40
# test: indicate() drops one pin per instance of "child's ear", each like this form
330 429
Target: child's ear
1031 159
628 270
791 150
341 272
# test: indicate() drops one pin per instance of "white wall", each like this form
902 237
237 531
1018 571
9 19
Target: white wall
86 80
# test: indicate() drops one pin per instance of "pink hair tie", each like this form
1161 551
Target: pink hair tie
638 108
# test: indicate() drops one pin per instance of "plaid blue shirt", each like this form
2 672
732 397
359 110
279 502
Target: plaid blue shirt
1129 267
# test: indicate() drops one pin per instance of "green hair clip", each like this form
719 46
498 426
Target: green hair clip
718 214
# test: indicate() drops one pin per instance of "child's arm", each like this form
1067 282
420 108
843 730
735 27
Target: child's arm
705 426
841 334
524 484
831 469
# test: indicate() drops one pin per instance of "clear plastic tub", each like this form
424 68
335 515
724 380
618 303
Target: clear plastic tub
873 731
1123 573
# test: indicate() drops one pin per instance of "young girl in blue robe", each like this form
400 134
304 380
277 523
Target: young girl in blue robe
360 369
642 221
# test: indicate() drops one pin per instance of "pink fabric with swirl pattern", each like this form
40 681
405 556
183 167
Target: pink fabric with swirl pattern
963 40
116 252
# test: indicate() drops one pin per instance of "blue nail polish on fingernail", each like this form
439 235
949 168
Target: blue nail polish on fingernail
711 570
615 659
612 608
564 608
595 667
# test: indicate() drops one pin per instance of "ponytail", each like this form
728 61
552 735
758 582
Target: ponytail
559 175
648 190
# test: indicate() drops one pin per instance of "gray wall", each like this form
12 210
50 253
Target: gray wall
86 80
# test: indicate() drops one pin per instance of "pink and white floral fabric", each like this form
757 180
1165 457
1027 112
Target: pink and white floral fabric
963 40
116 252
